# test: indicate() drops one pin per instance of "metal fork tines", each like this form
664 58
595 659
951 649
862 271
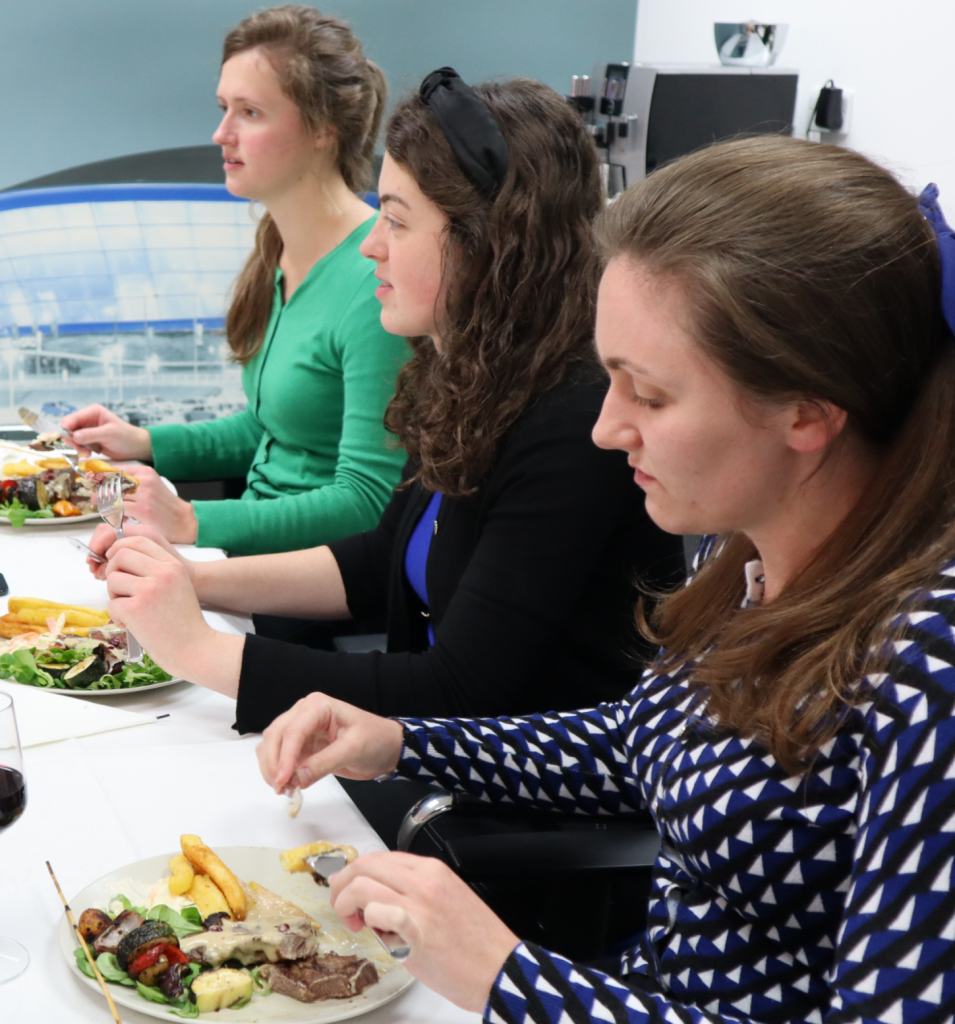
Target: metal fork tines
323 866
109 504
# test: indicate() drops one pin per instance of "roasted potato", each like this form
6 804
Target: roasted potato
205 862
182 875
294 860
207 896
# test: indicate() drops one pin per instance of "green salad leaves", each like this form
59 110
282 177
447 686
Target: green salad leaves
22 666
18 513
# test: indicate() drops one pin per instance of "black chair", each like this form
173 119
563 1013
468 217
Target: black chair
576 885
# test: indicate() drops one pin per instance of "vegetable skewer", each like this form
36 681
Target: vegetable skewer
89 956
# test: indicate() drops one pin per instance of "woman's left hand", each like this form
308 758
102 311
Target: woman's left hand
458 945
154 504
151 595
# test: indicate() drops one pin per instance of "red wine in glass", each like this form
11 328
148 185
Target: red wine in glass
13 799
13 796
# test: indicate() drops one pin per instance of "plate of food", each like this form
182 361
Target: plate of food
43 490
72 650
245 928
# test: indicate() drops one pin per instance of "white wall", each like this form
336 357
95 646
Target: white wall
897 57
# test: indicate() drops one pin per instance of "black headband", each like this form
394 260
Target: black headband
469 126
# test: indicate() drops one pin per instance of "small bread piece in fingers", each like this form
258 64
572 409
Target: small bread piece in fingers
294 860
182 875
205 862
207 896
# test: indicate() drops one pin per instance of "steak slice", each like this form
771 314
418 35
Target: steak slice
328 976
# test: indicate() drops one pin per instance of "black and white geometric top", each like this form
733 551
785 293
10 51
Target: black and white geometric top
826 897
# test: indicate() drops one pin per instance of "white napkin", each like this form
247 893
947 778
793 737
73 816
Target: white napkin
46 717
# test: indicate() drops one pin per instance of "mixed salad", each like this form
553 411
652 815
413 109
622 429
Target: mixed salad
61 661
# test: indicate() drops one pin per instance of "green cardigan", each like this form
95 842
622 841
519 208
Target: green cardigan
311 441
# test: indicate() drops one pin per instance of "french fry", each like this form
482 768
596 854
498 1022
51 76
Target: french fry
22 468
207 896
294 860
53 464
278 903
182 875
72 617
205 862
11 626
16 604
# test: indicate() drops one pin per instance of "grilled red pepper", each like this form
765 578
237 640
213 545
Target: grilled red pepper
146 959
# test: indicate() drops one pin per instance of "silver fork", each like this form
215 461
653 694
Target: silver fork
109 504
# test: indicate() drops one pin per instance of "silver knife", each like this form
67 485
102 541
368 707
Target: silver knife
323 866
42 424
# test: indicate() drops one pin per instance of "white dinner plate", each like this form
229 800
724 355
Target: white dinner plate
98 693
56 520
254 864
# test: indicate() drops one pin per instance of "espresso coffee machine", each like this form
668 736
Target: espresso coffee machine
644 115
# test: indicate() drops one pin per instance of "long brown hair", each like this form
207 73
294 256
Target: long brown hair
520 275
809 273
320 68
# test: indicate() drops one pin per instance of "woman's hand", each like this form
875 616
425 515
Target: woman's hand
154 504
104 537
458 945
96 429
151 595
320 736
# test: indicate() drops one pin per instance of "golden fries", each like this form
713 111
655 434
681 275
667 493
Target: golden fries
22 468
279 904
207 896
11 626
72 618
205 862
30 614
16 604
182 875
294 860
53 464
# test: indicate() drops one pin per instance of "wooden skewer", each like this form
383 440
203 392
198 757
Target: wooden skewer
89 956
20 448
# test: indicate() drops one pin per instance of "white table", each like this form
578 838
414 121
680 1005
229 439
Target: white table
102 801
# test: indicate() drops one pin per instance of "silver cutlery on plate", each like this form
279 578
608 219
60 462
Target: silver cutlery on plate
86 549
109 504
323 866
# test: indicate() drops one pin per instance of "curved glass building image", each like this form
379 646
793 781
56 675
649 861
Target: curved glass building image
117 294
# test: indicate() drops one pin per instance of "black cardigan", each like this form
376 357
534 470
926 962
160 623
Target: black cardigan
530 582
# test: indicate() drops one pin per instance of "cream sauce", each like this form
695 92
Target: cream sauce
257 938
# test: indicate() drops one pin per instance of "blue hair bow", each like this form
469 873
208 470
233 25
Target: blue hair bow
928 204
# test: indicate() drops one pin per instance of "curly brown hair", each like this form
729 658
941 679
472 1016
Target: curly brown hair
520 280
808 272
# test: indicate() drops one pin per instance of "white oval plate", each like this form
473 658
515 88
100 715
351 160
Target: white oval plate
254 864
56 520
98 693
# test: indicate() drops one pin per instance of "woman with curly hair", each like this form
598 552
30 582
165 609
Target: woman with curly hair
506 561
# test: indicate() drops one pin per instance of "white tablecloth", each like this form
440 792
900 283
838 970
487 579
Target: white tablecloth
98 802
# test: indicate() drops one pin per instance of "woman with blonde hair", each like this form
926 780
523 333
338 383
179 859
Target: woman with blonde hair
777 320
301 109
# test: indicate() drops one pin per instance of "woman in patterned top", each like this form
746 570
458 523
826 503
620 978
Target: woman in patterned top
782 375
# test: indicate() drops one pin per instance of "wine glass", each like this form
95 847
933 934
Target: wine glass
13 799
